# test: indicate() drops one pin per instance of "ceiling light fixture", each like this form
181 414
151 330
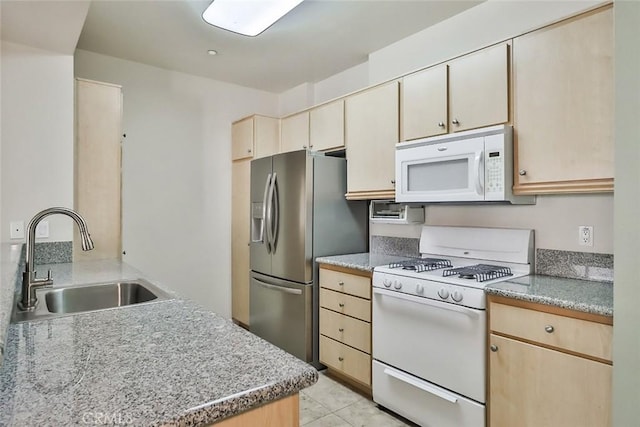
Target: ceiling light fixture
212 52
247 17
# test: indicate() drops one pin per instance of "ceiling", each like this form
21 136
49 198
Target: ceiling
316 40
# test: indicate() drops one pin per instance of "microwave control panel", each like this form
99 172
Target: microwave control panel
494 167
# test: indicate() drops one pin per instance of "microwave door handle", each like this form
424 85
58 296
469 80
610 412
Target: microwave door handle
479 173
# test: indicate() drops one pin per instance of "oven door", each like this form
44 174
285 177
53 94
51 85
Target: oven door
439 342
443 172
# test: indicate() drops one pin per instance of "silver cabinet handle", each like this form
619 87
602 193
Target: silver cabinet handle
522 172
440 124
340 358
549 329
494 348
455 122
393 181
249 150
304 146
340 329
340 283
340 304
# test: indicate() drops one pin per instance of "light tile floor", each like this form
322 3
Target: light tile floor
328 403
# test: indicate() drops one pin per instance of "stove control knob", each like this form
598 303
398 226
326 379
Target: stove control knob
443 293
456 296
386 283
419 289
397 285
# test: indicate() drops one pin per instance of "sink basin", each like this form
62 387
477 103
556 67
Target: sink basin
92 297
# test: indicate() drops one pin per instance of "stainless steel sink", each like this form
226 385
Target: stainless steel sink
92 297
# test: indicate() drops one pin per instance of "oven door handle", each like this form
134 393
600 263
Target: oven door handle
425 301
421 385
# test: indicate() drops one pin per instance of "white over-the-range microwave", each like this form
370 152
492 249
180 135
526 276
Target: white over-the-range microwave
469 166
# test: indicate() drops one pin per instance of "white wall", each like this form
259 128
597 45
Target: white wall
555 220
37 137
626 336
487 23
177 172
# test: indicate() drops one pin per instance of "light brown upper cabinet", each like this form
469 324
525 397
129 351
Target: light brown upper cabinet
469 92
563 106
326 126
254 137
371 132
295 132
424 104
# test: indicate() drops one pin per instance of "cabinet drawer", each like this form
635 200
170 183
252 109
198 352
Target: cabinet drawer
347 360
346 304
359 286
575 335
348 330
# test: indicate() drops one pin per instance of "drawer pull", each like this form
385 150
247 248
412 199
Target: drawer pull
340 358
494 348
340 283
549 328
341 329
340 304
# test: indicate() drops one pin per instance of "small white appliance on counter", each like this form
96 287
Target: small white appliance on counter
470 166
429 322
390 212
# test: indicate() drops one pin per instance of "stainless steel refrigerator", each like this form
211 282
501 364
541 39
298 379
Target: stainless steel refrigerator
298 212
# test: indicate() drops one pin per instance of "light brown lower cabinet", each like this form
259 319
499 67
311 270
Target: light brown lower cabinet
281 413
555 371
345 324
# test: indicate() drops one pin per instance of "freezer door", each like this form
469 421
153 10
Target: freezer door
260 182
292 216
280 312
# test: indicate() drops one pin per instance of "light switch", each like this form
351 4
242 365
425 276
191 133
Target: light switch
17 229
42 230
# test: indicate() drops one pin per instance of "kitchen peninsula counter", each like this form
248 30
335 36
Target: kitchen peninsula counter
573 294
169 362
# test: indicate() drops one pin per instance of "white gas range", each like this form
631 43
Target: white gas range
429 322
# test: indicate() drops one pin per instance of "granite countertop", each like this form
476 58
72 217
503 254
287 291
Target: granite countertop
573 294
163 363
365 261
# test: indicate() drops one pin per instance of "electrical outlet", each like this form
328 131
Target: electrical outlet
17 229
585 235
42 230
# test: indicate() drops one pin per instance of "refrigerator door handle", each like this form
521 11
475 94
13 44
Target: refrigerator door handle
266 214
276 211
279 288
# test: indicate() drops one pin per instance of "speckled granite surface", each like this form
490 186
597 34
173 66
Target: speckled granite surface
574 294
577 265
363 261
10 256
400 246
162 363
52 252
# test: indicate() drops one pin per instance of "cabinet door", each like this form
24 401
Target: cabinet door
424 104
531 386
241 175
295 132
326 126
242 139
563 106
371 133
97 178
479 89
266 136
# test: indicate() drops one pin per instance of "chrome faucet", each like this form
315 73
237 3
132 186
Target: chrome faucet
29 281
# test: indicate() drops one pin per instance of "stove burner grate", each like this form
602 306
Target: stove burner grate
480 272
422 264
